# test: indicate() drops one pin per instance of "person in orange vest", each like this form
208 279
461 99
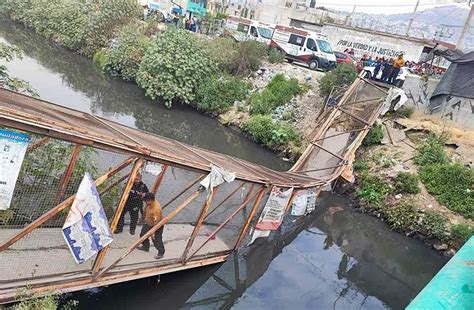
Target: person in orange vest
399 62
153 215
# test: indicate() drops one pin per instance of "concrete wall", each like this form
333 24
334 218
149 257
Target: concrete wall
371 43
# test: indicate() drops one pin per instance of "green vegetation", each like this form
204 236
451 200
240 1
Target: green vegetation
235 58
174 67
83 26
342 76
452 184
275 56
406 182
431 151
373 189
124 56
262 130
462 232
403 216
48 302
434 225
218 95
277 93
7 54
374 136
361 165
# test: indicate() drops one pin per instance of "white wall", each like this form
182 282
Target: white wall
371 43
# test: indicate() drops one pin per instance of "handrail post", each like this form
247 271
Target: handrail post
118 213
199 223
159 180
66 177
249 218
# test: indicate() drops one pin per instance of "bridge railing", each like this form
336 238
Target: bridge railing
198 227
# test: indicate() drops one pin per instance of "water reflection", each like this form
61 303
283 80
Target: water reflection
71 80
333 259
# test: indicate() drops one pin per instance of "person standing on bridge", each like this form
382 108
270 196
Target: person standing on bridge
153 216
134 205
399 62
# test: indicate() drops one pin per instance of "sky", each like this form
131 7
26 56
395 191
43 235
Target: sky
386 6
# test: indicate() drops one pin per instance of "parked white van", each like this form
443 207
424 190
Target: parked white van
304 46
243 29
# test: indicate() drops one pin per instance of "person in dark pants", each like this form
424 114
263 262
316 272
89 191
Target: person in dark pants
134 205
398 63
378 66
387 70
153 215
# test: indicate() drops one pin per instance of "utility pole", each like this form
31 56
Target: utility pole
350 15
412 18
466 28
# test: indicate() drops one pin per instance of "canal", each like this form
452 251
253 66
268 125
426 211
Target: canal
333 259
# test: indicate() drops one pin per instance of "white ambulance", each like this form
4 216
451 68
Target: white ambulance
243 29
304 46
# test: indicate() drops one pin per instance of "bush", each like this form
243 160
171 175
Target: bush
406 182
277 93
431 151
434 225
126 53
361 165
218 95
174 67
403 216
235 58
262 130
374 136
275 56
342 76
461 232
452 185
84 26
373 189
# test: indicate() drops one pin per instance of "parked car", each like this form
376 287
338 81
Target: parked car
345 58
304 46
399 81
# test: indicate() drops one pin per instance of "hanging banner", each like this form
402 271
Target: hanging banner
310 200
86 229
300 202
153 168
13 147
274 210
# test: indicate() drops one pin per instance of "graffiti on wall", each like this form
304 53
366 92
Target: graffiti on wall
369 49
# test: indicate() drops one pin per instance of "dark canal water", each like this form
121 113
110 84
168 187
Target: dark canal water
334 259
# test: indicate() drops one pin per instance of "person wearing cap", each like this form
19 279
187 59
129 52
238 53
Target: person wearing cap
134 205
153 216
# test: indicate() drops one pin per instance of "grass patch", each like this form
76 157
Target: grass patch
275 56
373 189
431 151
452 185
361 165
461 232
342 76
277 93
263 130
374 136
406 182
218 95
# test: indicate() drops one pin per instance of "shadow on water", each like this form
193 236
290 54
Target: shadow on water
334 259
72 80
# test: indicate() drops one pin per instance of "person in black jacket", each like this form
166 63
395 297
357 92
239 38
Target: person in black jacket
134 205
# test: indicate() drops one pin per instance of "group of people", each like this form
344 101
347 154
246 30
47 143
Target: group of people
152 214
176 17
390 68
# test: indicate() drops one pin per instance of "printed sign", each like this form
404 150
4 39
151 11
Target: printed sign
299 203
86 229
274 210
13 147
